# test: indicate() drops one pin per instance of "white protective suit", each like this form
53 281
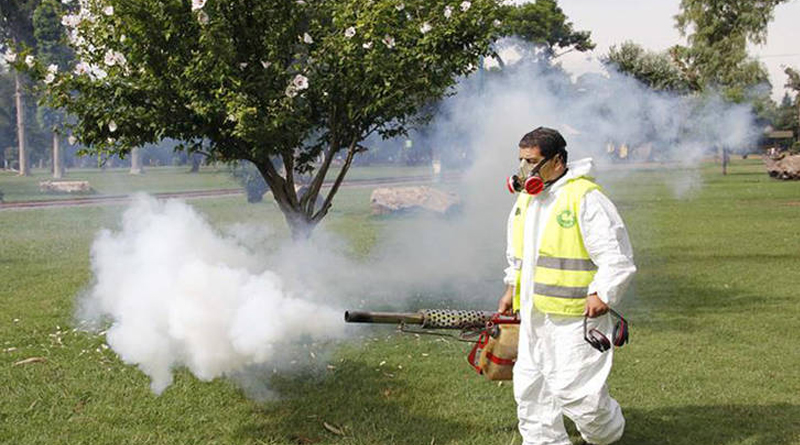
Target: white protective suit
557 372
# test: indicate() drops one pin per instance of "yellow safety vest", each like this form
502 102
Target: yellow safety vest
563 269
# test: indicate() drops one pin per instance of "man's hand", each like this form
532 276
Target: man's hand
506 304
595 306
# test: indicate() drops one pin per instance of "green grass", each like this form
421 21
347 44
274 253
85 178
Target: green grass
118 181
713 357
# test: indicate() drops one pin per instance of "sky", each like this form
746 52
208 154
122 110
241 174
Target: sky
651 24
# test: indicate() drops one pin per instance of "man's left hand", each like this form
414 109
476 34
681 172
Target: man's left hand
595 306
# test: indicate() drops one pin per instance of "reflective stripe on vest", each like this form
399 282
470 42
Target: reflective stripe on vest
563 269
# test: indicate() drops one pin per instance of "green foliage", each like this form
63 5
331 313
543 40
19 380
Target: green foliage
259 80
16 20
655 69
718 32
544 23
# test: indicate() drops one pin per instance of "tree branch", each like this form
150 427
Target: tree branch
288 165
351 152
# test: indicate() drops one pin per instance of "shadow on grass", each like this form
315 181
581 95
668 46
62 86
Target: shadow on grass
718 424
368 405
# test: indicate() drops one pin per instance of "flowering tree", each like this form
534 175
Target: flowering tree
286 85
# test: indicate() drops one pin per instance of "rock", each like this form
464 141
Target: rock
389 200
65 187
783 166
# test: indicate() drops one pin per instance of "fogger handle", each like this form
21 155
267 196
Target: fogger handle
384 317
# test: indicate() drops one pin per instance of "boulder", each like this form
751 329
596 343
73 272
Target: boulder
65 187
390 200
783 166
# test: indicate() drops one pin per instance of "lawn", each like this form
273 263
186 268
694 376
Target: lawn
712 360
118 181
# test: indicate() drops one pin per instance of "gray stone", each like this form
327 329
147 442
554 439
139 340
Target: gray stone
783 166
65 187
390 200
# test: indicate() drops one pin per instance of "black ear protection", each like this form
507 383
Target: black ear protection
599 341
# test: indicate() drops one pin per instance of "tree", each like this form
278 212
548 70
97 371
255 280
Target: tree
718 32
545 24
16 20
265 81
657 70
50 48
793 82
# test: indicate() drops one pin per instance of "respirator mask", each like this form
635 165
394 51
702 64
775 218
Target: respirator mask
528 179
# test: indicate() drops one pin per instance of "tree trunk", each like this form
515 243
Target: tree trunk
136 161
303 213
24 170
196 159
725 159
58 167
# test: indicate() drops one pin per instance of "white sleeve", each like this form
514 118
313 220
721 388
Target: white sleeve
609 247
510 276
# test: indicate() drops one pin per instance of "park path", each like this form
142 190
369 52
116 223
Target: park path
211 193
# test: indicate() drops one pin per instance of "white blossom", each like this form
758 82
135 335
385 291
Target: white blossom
198 4
66 2
97 73
49 78
72 140
202 17
465 5
114 58
266 64
81 68
300 82
112 126
388 41
497 23
291 91
307 38
350 32
448 11
243 65
52 68
71 20
425 28
110 60
400 6
108 10
10 56
366 45
29 61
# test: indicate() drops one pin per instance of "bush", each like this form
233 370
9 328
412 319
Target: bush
252 181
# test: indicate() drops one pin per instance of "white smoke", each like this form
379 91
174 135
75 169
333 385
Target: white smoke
178 293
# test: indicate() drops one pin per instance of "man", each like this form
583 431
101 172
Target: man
569 255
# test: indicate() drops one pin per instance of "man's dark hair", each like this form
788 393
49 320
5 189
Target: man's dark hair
549 141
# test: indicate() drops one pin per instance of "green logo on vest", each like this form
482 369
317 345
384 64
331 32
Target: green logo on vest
566 219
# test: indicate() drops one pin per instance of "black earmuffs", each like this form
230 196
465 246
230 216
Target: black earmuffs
599 341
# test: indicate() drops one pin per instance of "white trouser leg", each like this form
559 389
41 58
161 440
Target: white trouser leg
576 374
539 412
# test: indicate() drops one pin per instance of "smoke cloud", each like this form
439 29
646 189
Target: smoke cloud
179 293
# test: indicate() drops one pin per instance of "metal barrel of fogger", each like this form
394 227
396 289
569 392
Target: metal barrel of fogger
427 318
384 317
